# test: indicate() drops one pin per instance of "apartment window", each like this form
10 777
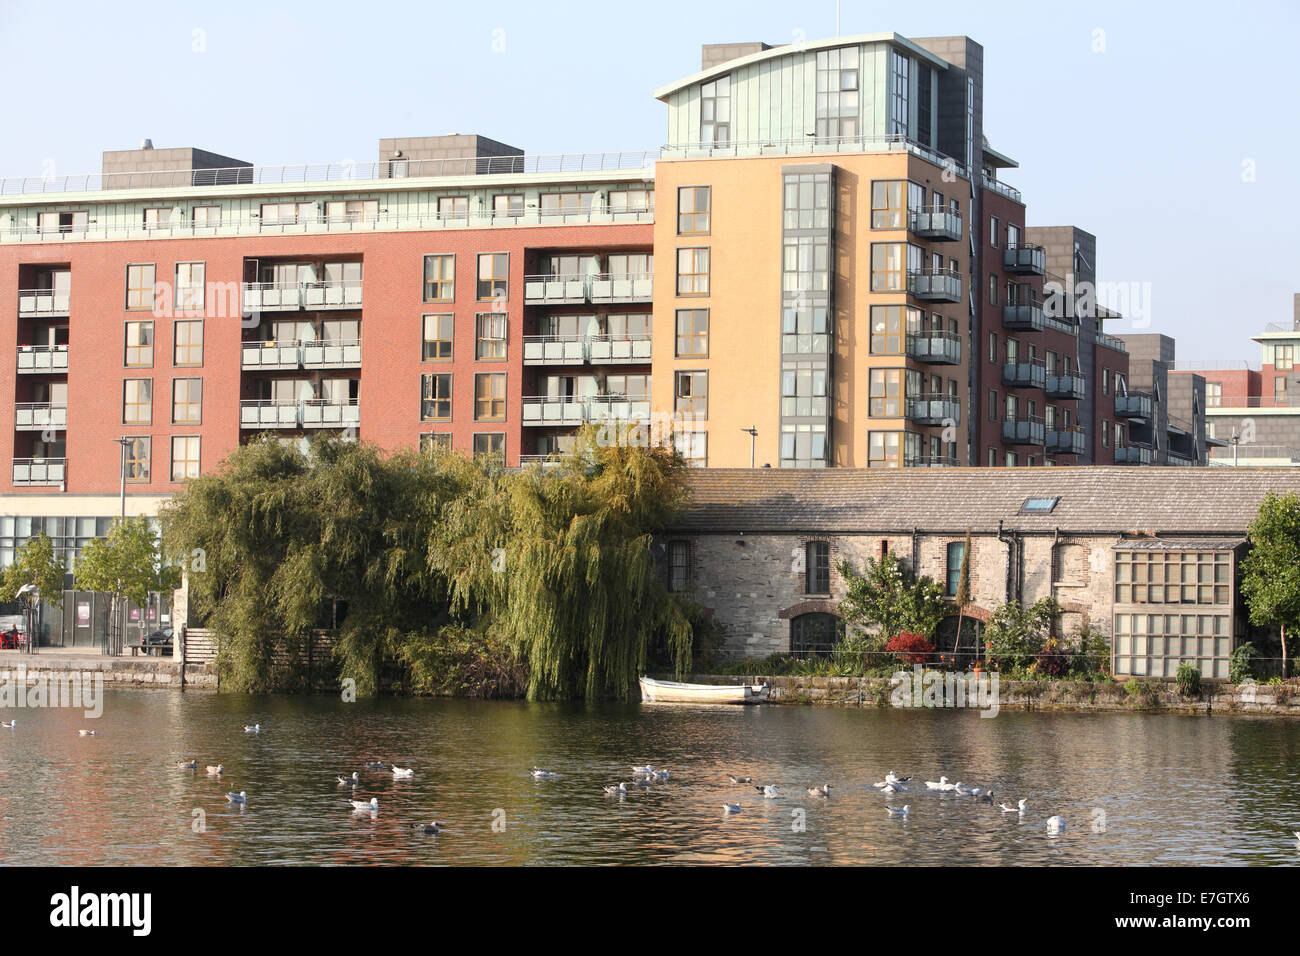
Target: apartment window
817 567
635 265
489 443
888 204
693 447
634 388
803 446
631 200
693 271
439 278
630 326
1283 357
1105 433
805 330
993 405
993 231
493 275
888 323
490 336
956 555
158 217
993 347
901 90
993 457
886 393
508 205
435 397
1214 395
137 459
185 457
187 343
803 390
453 207
806 203
692 333
431 440
694 203
567 204
187 401
64 222
993 289
189 286
1279 390
287 213
490 397
438 331
139 286
1013 235
137 401
139 345
889 262
679 565
715 112
884 449
837 104
352 210
691 394
1105 381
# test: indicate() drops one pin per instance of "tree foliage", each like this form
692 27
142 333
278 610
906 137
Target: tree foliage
888 599
35 563
1016 634
431 552
1270 573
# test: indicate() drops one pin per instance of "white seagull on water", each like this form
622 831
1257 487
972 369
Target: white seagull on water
351 781
731 808
538 773
402 771
1055 824
9 723
362 806
240 797
769 792
902 811
621 788
216 771
252 728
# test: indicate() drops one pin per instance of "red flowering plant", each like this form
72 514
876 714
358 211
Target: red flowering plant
911 648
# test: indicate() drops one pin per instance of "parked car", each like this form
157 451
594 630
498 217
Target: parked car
159 638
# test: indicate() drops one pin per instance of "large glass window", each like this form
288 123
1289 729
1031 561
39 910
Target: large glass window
139 286
490 397
490 336
187 343
803 390
493 275
439 278
838 103
693 271
805 331
692 333
715 112
189 286
886 399
137 401
898 114
803 446
806 265
187 401
139 345
435 397
815 633
888 266
889 204
185 457
691 394
694 203
438 332
817 567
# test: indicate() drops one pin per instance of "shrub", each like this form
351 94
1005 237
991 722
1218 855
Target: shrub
911 648
889 599
1053 660
1016 633
1239 665
1188 679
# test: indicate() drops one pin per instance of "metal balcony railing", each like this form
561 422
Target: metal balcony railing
585 349
935 285
1024 375
42 302
1023 310
934 409
1136 405
1065 440
1025 259
930 461
935 222
40 471
545 410
935 347
865 143
1133 454
1002 189
292 296
42 358
1026 430
1069 387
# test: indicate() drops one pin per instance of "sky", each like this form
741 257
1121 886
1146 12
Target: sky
1168 130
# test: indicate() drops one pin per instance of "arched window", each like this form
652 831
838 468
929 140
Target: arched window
815 633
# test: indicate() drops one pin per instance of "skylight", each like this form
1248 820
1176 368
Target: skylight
1039 506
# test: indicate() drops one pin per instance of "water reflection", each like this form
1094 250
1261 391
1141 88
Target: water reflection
1168 789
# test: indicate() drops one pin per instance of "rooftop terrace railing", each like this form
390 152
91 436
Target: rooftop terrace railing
333 172
866 143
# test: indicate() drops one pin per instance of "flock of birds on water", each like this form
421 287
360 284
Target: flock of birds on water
645 775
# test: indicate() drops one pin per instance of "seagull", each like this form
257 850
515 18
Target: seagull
429 829
539 774
660 774
85 733
1055 824
374 765
216 771
252 729
964 791
986 797
902 811
240 797
1008 808
895 778
734 778
352 781
823 791
402 771
361 806
647 769
894 788
621 788
187 765
14 723
731 808
941 785
769 792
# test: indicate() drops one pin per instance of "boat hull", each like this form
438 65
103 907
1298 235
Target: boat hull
665 691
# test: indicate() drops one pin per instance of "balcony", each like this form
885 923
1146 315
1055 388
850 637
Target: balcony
344 353
1068 387
40 471
40 359
938 223
273 356
330 413
584 349
1024 375
1023 311
1025 259
272 296
930 285
40 416
43 303
544 410
609 288
934 410
332 294
545 290
305 413
930 461
1133 454
1063 440
935 347
1134 405
268 413
1024 431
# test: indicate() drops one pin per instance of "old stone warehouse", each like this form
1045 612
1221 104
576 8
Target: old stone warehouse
1148 556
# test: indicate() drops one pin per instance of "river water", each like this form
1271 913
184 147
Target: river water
1133 789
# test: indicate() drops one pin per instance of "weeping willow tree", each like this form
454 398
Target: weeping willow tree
561 561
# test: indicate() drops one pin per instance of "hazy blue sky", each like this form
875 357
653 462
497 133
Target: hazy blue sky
1177 144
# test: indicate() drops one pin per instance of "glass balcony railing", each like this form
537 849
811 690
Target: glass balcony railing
546 410
561 289
39 416
40 471
37 359
1025 259
934 410
304 413
1028 430
1062 440
1133 454
1023 311
586 349
935 347
1024 375
931 285
292 296
938 223
279 356
53 303
1134 405
1068 387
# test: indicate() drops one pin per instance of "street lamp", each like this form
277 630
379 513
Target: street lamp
752 432
32 596
125 443
121 611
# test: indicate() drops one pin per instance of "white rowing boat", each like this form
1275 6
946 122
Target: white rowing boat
674 692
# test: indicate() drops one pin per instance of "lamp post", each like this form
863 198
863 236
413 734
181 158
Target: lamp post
752 432
124 443
121 610
31 596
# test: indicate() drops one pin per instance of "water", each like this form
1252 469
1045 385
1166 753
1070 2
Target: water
1174 790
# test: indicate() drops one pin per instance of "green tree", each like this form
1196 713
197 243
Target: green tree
127 563
35 563
1270 573
1015 634
888 599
